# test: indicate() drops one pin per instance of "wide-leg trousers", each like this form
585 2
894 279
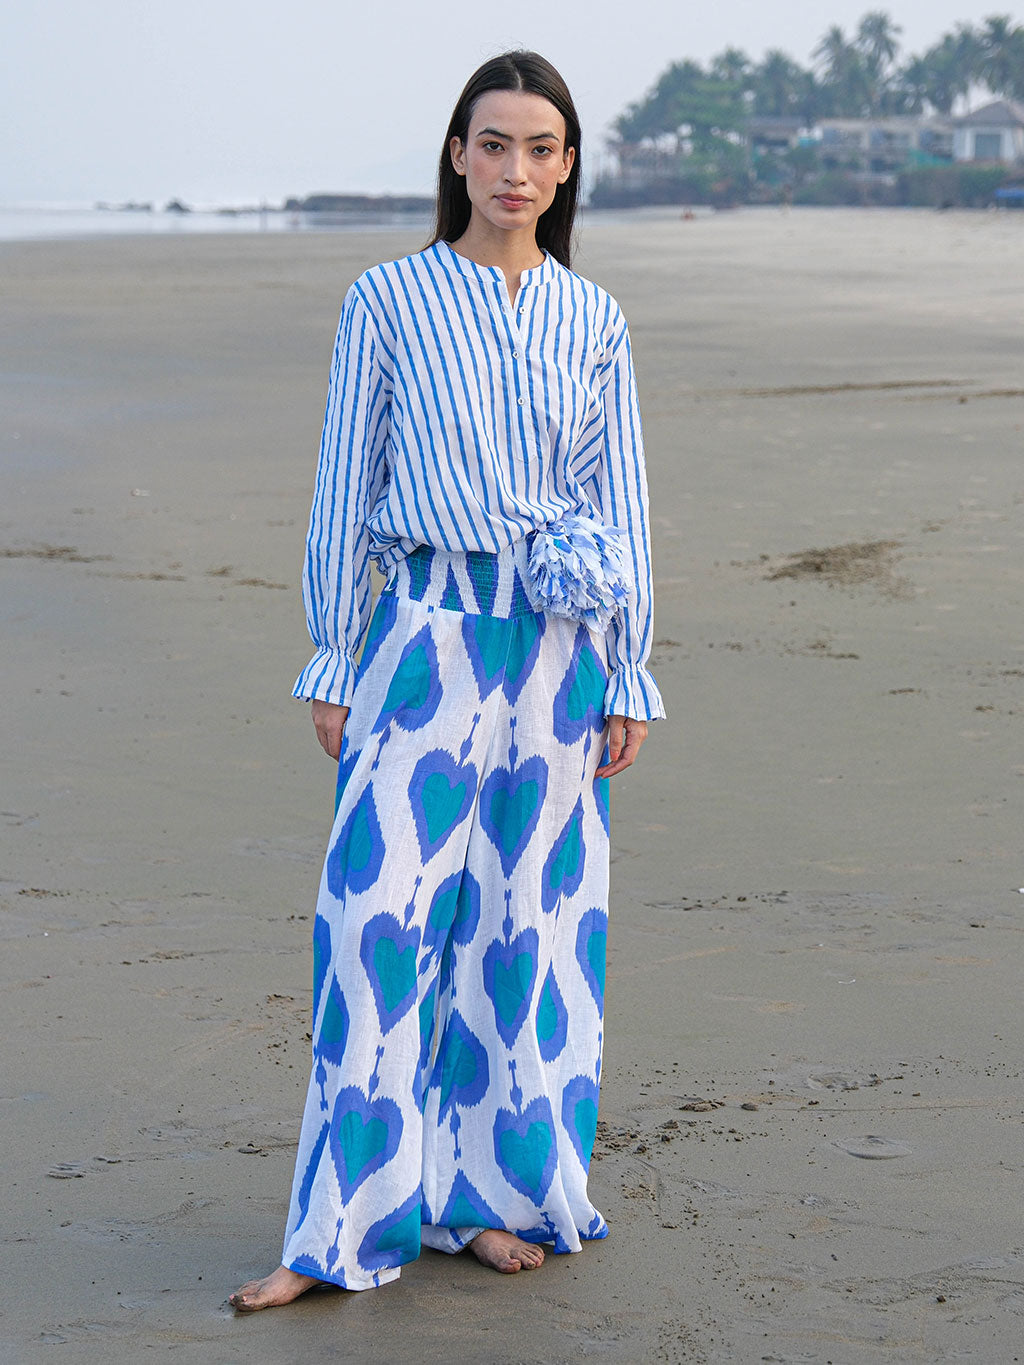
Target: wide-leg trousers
459 939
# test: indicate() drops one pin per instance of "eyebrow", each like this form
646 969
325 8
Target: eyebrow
537 137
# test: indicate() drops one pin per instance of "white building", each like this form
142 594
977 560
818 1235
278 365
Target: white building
883 144
995 132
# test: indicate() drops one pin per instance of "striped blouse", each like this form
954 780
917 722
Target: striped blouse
459 420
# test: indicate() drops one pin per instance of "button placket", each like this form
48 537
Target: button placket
516 354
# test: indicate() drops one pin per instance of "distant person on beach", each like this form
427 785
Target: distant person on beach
482 445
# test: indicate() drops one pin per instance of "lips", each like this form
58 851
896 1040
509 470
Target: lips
512 201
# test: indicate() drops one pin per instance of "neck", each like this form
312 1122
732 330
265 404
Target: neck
511 251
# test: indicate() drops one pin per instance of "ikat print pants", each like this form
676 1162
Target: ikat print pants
459 939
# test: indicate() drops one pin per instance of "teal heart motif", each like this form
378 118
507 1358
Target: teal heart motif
522 652
466 1207
579 701
354 862
547 1015
465 1073
568 859
396 970
364 1136
527 1156
510 974
512 984
333 1034
510 813
563 870
394 1240
584 1120
415 690
591 944
510 806
579 1115
587 690
360 1141
410 685
441 792
442 804
524 1147
360 844
596 944
442 912
552 1022
486 640
388 953
459 1070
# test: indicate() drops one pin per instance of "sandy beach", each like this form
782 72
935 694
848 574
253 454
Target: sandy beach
810 1143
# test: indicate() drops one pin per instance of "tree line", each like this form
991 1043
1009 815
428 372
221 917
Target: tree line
860 75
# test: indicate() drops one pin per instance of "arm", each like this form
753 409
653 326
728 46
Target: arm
351 474
632 694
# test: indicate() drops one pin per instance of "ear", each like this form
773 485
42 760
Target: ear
567 164
457 152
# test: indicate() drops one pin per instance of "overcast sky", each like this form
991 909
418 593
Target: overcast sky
229 102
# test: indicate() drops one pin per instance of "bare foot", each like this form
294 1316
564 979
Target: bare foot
271 1292
505 1252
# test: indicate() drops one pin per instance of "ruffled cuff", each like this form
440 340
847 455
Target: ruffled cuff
329 676
633 692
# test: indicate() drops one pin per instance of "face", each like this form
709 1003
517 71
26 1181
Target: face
514 158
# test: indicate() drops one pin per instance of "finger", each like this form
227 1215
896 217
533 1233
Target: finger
610 769
634 736
337 733
616 737
325 735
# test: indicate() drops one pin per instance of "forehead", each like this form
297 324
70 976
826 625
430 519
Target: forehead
518 113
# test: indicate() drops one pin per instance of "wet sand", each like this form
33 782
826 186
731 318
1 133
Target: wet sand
811 1113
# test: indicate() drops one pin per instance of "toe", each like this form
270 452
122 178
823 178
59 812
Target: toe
249 1298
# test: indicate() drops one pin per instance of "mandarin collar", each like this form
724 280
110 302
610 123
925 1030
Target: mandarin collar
488 274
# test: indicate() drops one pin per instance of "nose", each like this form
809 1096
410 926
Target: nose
515 173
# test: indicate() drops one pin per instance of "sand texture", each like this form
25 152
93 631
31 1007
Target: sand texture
810 1146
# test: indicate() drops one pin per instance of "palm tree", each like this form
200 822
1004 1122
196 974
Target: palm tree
732 66
779 85
1001 55
845 81
946 72
913 85
877 41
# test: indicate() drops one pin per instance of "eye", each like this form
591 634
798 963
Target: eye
492 147
543 151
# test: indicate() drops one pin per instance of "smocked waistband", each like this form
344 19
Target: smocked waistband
470 581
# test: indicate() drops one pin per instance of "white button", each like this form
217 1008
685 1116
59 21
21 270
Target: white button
520 402
515 355
522 310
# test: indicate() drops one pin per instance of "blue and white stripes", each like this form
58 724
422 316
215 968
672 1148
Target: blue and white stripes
459 420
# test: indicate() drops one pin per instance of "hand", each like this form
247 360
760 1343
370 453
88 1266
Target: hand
329 721
625 735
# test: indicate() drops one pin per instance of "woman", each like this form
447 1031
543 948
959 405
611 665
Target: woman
482 444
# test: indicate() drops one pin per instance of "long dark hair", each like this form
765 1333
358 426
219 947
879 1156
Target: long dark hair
518 70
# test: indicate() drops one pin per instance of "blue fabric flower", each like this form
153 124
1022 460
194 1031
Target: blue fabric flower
576 570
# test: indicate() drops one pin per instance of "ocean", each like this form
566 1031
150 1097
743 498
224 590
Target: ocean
40 223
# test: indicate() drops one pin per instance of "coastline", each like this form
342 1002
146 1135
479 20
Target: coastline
79 223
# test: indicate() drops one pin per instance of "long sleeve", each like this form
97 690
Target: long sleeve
351 474
631 689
